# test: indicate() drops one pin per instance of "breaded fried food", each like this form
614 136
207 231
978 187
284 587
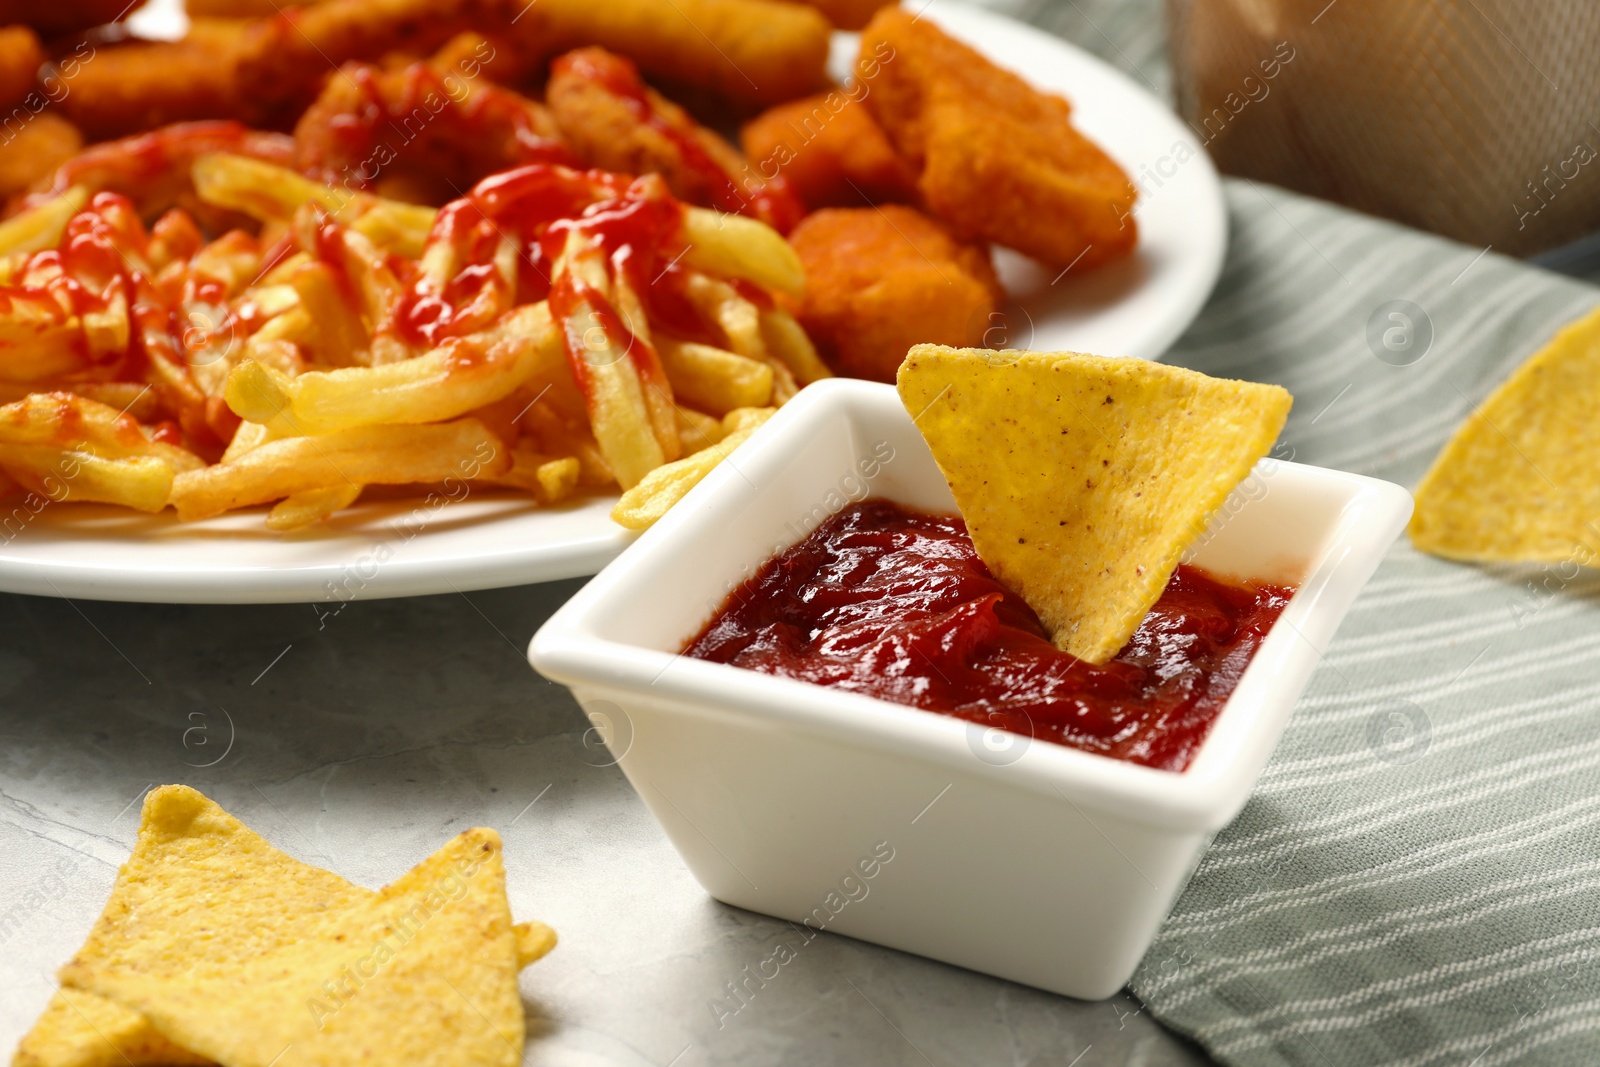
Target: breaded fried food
615 122
881 279
139 85
285 60
59 17
849 14
830 150
752 52
241 9
994 157
20 59
434 132
37 148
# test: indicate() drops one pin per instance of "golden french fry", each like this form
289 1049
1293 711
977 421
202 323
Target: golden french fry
310 506
132 399
663 487
551 480
37 342
697 431
269 300
41 227
714 379
271 193
743 323
264 191
365 455
558 478
397 231
234 259
281 272
739 247
736 317
64 474
249 435
63 420
746 419
787 341
339 333
455 378
631 414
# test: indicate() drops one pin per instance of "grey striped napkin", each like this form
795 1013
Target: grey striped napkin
1416 880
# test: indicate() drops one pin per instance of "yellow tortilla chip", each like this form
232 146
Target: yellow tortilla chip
188 850
423 972
1520 480
534 942
1082 479
187 844
79 1029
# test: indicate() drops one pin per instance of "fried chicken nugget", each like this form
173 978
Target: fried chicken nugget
879 280
849 14
62 16
756 52
36 149
284 61
615 122
20 59
831 150
128 88
994 157
241 9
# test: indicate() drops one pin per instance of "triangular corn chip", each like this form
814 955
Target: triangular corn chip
184 841
423 972
79 1029
188 851
1082 479
534 942
1520 480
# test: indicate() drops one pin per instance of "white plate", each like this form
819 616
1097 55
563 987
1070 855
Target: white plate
1133 308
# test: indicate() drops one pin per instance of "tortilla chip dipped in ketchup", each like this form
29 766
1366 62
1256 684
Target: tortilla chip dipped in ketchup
1082 479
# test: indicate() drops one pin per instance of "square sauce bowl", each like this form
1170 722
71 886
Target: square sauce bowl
840 812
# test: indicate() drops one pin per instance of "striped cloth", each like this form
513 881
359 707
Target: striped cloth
1416 880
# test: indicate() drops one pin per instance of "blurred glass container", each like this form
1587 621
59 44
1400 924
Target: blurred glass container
1476 119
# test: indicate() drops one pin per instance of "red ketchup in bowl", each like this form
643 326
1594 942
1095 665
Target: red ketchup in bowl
897 605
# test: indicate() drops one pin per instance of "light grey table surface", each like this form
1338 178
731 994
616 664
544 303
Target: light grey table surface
363 742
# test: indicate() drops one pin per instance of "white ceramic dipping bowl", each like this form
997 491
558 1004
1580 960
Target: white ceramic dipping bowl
1022 859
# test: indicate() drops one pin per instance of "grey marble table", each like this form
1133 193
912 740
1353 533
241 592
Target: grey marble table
364 743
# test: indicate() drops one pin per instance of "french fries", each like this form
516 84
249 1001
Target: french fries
270 193
738 247
446 382
504 342
309 506
663 487
366 455
624 388
111 459
41 226
713 379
